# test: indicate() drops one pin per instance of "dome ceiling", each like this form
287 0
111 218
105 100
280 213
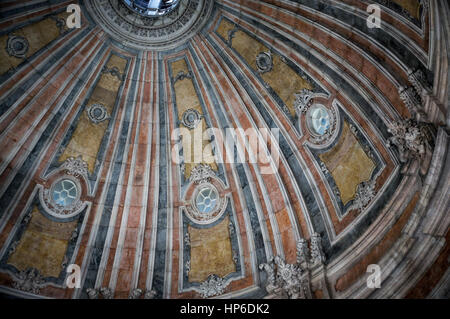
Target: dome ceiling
149 33
259 149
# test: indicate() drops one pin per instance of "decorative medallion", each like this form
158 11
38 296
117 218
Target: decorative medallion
17 46
191 118
149 29
264 62
97 113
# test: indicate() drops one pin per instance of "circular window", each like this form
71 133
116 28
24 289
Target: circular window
64 193
152 8
319 119
207 200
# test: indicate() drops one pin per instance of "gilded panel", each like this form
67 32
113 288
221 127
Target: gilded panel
43 245
211 252
348 163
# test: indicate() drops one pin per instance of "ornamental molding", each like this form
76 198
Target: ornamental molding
213 286
150 33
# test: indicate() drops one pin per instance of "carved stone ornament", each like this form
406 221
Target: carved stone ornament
293 280
105 293
213 286
317 255
264 62
412 139
303 100
75 166
302 251
17 46
191 118
150 294
29 280
364 195
202 173
419 81
413 102
136 293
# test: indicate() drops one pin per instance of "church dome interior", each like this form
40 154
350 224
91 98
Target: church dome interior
194 149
